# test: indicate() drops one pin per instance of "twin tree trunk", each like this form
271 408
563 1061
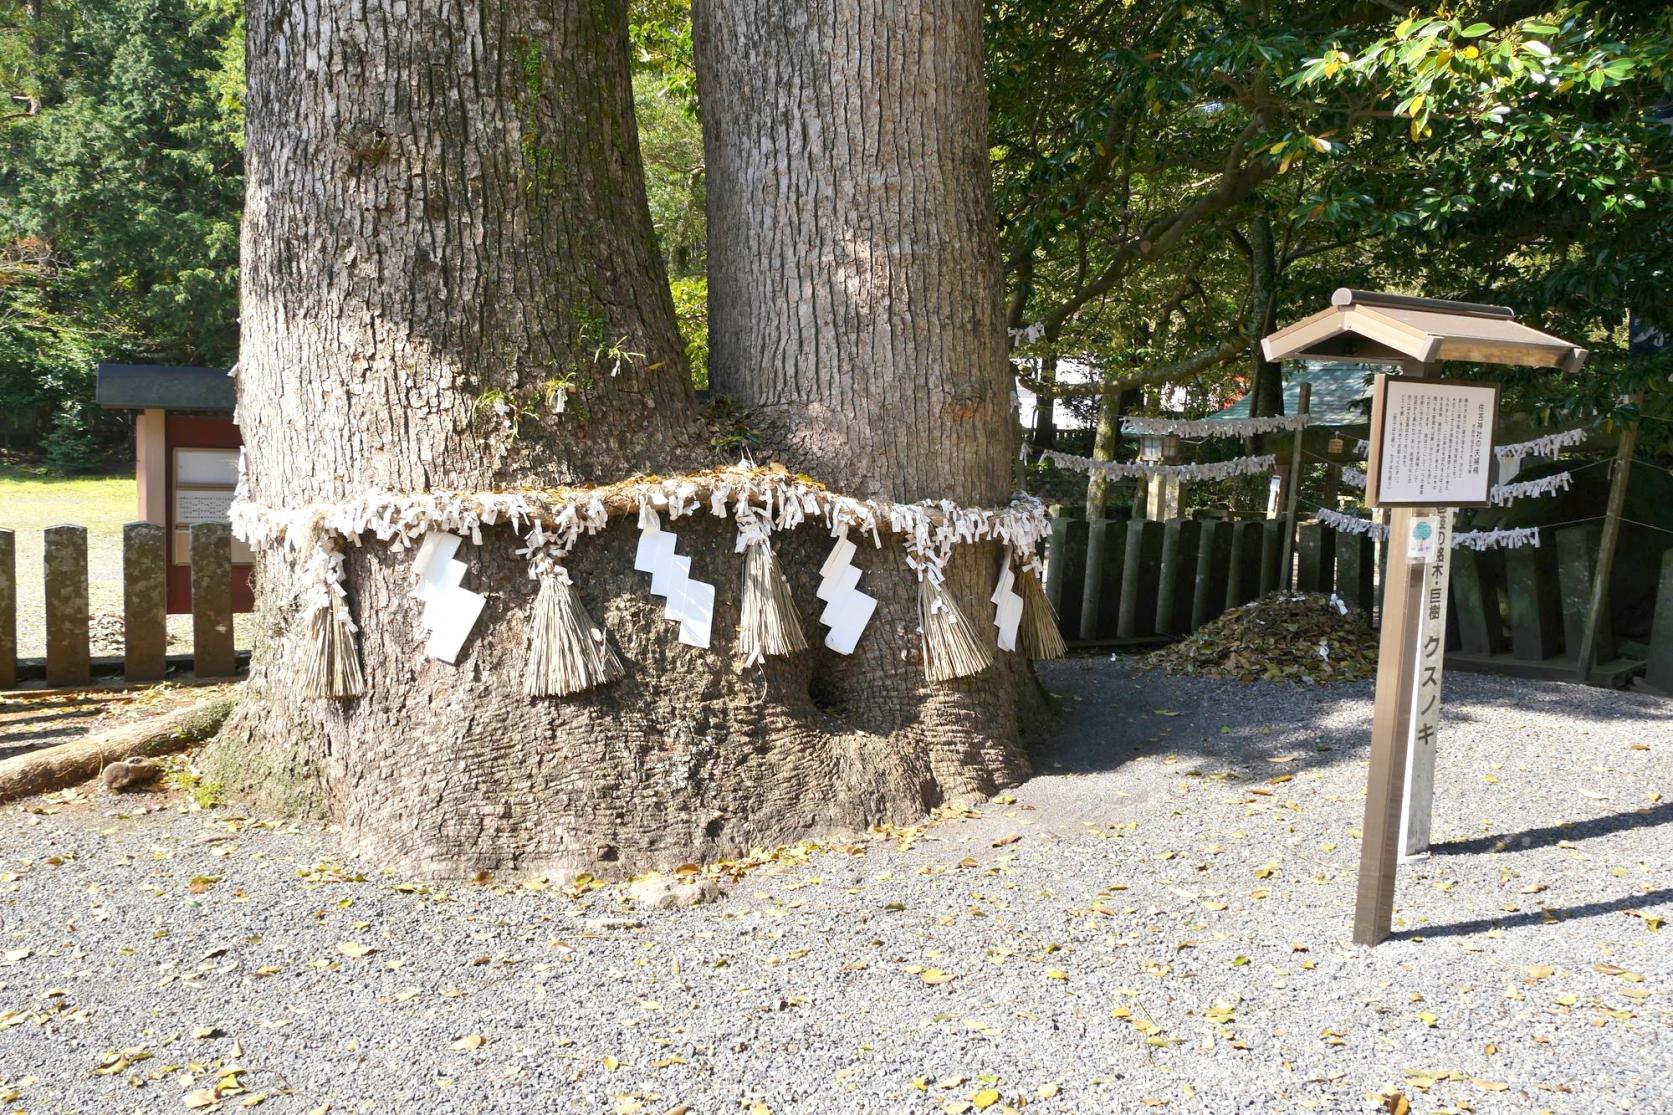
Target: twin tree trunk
445 220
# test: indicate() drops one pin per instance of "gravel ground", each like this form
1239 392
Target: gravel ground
1159 920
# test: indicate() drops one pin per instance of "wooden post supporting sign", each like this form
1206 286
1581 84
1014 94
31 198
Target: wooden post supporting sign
1431 448
1379 849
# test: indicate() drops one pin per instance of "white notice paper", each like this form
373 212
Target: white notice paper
1435 443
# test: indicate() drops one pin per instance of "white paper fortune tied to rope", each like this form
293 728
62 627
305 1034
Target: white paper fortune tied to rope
847 609
1008 607
691 603
449 610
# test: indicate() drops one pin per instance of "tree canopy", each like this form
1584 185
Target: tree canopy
1171 179
121 186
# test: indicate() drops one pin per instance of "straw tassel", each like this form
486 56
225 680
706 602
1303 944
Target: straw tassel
330 665
951 648
1038 637
568 652
769 623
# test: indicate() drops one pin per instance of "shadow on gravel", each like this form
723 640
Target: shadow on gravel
1552 834
1541 916
1114 712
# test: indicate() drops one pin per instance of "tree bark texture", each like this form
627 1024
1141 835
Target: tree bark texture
1106 439
856 306
445 231
1045 406
1267 377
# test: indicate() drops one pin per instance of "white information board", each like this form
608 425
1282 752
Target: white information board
209 468
1431 442
204 484
201 505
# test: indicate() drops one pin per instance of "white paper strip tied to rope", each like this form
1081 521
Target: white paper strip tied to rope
1353 477
330 666
1512 539
1007 606
1132 470
1217 427
1352 524
690 603
558 517
450 611
768 623
1503 494
403 519
1546 446
1039 636
847 609
1026 335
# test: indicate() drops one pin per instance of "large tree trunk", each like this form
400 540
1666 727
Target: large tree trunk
446 217
855 304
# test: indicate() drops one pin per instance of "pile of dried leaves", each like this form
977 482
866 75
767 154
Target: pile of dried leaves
1284 635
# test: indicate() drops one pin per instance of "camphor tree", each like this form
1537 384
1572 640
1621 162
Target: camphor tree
446 233
855 306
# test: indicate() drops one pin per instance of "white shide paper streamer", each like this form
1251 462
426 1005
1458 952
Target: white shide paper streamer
1511 539
1503 494
1132 470
1204 427
1546 446
847 609
1352 524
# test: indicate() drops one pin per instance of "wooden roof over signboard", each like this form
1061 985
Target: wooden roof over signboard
166 387
1364 325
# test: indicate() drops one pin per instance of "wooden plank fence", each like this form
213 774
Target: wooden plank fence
68 660
1516 611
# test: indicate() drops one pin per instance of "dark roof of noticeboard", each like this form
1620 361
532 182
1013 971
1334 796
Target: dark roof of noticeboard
165 387
1341 394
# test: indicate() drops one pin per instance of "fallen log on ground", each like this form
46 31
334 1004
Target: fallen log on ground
53 768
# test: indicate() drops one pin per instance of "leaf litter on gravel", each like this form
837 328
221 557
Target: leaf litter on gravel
1282 636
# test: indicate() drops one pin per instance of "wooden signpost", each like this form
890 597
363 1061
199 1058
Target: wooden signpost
1431 451
1431 444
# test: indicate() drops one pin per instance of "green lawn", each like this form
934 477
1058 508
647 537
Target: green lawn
31 501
